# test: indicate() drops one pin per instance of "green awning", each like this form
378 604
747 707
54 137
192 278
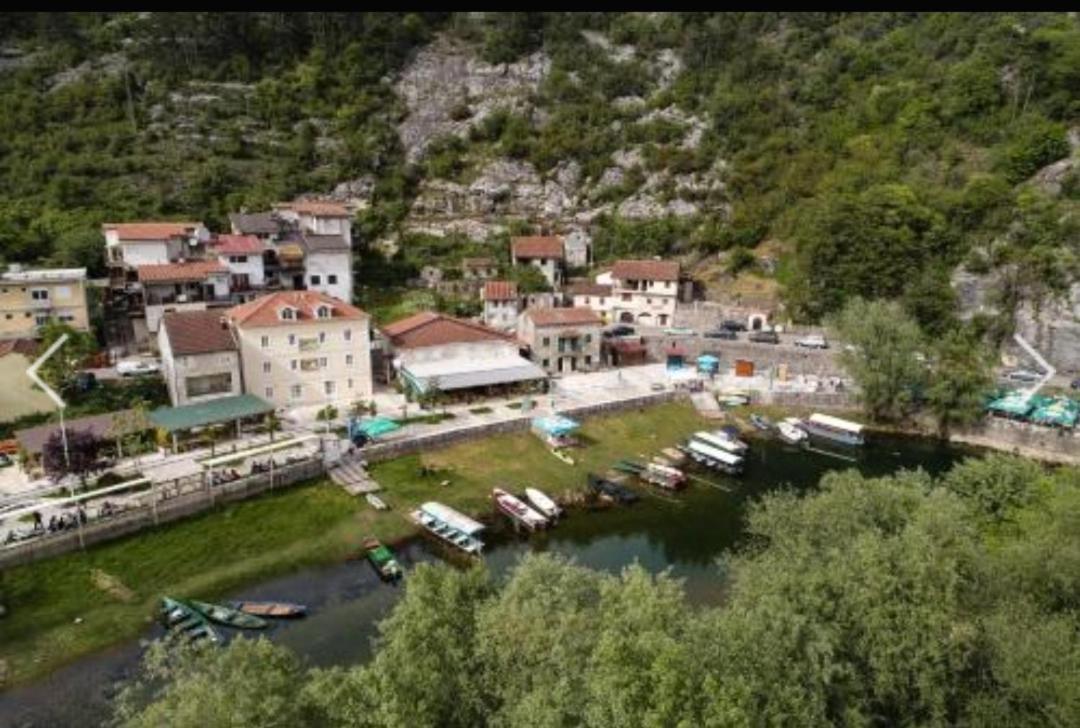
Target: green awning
214 411
1060 411
1016 404
376 426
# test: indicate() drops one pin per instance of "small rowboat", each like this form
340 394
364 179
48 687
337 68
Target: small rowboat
562 456
791 431
382 559
543 503
761 422
376 502
278 610
227 615
183 621
517 510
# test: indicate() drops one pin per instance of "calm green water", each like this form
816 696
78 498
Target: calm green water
685 534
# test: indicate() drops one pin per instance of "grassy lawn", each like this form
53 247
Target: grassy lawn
115 588
519 460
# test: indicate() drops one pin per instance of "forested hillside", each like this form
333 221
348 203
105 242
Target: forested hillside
879 151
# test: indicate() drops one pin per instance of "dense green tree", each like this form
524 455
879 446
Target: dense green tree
959 379
882 354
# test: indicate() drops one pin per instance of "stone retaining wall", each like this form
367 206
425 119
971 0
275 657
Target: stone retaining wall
819 362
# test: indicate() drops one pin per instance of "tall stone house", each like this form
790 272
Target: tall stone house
544 252
644 292
562 340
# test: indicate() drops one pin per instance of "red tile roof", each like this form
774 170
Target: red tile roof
195 270
237 245
26 347
537 246
563 317
321 208
645 270
265 311
588 289
434 329
151 230
500 290
197 332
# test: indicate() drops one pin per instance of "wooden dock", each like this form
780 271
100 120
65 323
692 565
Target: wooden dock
351 475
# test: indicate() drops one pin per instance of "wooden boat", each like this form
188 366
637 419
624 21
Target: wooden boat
382 558
663 476
562 456
761 422
719 441
516 509
834 429
543 503
227 615
611 489
182 621
376 502
675 456
445 532
277 610
714 457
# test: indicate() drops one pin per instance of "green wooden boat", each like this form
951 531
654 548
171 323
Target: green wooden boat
382 559
227 615
184 622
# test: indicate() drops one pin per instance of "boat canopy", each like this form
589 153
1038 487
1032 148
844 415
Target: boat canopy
708 363
555 425
715 453
449 516
718 442
836 423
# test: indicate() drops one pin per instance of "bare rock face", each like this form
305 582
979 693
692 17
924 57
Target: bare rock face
1050 178
446 78
110 64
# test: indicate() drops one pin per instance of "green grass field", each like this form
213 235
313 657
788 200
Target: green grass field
114 588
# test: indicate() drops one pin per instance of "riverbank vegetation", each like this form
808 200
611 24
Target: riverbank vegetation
901 600
208 555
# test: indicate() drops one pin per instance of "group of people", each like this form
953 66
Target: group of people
224 476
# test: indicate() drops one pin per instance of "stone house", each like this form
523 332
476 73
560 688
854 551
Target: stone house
562 339
500 304
199 357
543 252
645 291
596 296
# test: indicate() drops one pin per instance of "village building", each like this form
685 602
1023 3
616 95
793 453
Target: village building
131 244
328 265
562 339
199 357
189 286
539 299
430 351
596 296
30 298
645 291
577 247
500 304
266 226
543 252
315 217
478 269
303 348
243 256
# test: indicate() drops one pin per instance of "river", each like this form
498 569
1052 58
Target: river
685 534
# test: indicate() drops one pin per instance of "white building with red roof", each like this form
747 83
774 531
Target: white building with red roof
562 339
243 256
300 348
432 350
188 286
131 244
545 252
644 292
501 304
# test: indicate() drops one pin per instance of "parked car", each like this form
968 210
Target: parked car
134 367
1023 375
5 460
85 381
621 330
812 341
1075 384
732 325
721 334
764 337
